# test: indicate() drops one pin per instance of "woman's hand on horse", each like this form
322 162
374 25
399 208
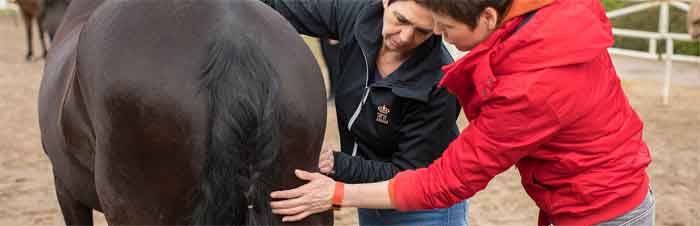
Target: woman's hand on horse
298 203
325 160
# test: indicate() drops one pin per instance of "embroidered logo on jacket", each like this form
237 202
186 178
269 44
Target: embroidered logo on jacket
383 114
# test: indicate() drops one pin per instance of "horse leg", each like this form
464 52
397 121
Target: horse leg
28 26
40 22
74 212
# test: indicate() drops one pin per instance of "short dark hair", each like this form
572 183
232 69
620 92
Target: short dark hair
466 11
392 1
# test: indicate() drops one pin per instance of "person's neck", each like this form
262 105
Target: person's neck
393 55
389 60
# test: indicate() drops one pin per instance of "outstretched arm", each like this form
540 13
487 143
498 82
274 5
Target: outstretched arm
315 196
319 18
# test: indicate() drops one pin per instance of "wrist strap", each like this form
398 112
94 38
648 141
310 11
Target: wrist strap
338 194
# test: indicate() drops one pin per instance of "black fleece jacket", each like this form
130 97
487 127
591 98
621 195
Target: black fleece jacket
400 122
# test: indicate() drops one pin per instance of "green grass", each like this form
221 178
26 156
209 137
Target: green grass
7 12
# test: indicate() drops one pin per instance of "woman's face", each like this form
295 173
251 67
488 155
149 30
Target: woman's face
462 35
406 25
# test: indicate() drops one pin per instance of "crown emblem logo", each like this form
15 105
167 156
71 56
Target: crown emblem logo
383 111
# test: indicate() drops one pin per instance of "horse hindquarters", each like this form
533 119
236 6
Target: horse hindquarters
148 107
67 135
185 94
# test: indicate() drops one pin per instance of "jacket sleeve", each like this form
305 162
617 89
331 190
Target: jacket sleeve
319 18
426 130
506 130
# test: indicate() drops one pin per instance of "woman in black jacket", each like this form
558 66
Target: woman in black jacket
390 113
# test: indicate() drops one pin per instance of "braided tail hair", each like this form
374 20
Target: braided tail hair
244 137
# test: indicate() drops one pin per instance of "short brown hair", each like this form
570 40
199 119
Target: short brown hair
392 1
466 11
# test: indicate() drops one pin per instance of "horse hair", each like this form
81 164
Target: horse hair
244 139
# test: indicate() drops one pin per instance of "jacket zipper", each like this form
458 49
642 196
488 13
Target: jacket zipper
362 102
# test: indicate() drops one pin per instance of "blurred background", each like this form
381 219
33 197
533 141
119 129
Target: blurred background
665 91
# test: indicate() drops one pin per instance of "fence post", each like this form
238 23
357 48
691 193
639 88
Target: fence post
663 30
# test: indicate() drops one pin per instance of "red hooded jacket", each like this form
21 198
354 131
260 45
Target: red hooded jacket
547 99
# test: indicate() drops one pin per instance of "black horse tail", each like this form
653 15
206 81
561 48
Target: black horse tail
244 137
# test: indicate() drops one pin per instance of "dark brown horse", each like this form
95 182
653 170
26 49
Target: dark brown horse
31 12
47 14
52 12
179 112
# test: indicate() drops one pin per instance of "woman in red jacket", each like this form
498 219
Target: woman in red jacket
541 93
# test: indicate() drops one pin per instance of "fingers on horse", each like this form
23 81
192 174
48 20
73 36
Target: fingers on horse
291 211
297 217
325 163
325 168
304 175
290 203
288 194
324 154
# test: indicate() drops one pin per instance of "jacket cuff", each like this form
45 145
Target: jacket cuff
340 166
404 191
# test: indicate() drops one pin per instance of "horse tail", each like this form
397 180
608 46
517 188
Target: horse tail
244 136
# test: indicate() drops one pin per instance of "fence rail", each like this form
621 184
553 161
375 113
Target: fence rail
663 34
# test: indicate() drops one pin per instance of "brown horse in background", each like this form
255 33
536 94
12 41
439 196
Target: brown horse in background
179 112
52 13
47 14
31 11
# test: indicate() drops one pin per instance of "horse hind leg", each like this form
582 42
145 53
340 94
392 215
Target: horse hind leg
28 26
74 212
40 22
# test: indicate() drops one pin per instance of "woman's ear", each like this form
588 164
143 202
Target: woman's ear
490 17
385 3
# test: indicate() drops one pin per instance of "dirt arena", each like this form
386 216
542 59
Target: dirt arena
672 131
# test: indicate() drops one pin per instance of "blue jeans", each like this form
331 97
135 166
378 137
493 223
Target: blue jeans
643 215
452 216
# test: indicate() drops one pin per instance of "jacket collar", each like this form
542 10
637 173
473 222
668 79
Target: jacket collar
477 66
473 72
522 7
417 76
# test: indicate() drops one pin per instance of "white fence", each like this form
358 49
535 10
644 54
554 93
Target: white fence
654 37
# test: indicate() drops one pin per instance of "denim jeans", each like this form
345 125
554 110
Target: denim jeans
643 215
452 216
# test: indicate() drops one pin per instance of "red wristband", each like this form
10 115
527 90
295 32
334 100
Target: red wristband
337 199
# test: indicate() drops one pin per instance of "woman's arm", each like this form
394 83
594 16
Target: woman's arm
507 130
315 196
319 18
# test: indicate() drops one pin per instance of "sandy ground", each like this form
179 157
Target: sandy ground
672 131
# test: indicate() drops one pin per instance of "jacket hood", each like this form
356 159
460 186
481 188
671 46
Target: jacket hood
562 33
